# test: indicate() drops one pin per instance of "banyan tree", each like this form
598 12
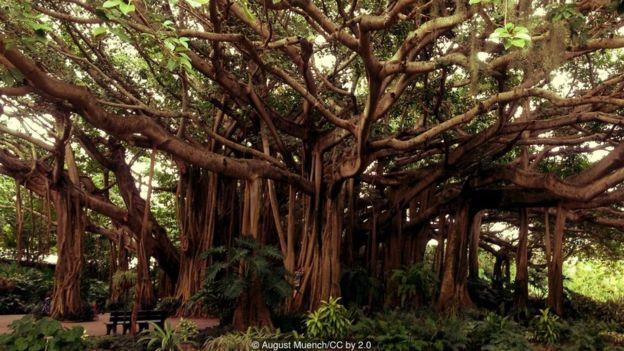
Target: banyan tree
343 133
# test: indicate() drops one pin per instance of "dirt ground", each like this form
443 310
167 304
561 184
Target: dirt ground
98 328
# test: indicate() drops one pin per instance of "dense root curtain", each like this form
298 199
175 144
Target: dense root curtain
554 256
70 221
144 294
453 289
251 308
197 204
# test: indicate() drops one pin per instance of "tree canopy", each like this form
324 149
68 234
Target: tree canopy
342 132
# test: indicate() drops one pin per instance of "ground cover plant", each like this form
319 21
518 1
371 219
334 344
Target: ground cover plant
444 174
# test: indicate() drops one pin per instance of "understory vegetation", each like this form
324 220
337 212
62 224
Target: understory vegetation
404 174
594 320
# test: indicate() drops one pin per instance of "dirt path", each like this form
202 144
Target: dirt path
98 328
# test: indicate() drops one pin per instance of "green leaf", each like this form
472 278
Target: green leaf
197 3
171 64
126 8
170 44
119 32
472 2
248 13
111 3
97 31
49 328
519 43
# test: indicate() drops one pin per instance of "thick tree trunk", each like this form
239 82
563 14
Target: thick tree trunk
473 253
197 193
251 309
330 248
166 287
66 301
144 294
156 242
521 293
453 289
70 224
555 268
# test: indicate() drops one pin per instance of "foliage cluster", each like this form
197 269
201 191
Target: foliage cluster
22 288
329 322
225 282
415 284
426 330
168 338
30 334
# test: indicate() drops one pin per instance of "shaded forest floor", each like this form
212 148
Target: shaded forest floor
97 327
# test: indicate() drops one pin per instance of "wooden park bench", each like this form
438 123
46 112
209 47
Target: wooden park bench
143 319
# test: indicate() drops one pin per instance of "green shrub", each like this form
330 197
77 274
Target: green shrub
613 337
415 284
498 333
168 338
116 343
225 282
445 334
161 339
547 328
241 341
329 321
95 291
30 334
187 330
608 310
390 331
21 288
587 336
426 330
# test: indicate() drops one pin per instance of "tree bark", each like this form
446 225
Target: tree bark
19 223
70 221
555 268
473 253
144 294
453 289
521 293
251 309
197 193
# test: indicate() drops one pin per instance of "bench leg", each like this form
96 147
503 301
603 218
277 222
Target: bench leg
111 328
